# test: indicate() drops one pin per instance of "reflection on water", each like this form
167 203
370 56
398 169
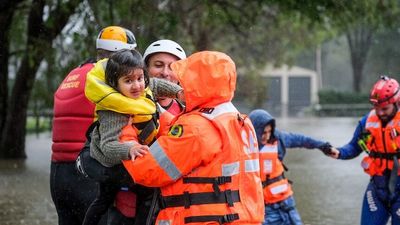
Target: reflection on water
24 186
327 191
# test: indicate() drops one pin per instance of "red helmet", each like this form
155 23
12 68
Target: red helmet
385 91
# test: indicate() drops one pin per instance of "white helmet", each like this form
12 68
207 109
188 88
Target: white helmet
114 38
166 46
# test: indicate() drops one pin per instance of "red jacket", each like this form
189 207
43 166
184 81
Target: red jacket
73 114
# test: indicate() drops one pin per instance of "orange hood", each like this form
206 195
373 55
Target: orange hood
208 79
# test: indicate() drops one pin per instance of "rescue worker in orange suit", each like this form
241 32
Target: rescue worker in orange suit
377 134
280 207
207 165
73 114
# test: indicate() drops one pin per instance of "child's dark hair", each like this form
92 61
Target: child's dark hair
121 63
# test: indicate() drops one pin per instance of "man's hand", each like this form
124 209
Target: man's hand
334 153
330 151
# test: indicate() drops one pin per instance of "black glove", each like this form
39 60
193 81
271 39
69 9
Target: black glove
326 148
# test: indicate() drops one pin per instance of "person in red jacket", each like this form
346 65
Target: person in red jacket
73 114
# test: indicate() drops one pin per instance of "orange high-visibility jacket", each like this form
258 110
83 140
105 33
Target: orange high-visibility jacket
275 186
382 141
207 167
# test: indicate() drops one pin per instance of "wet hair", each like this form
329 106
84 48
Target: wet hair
272 138
121 63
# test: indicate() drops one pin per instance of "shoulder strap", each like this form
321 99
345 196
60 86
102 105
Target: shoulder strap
92 126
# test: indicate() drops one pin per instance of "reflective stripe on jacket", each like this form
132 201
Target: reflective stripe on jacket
207 169
275 186
73 114
382 143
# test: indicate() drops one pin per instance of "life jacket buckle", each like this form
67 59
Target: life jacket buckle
228 218
186 199
219 181
228 196
223 179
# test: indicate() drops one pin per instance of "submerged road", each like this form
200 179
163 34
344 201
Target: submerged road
327 191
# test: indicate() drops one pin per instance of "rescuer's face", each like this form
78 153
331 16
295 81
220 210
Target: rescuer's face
386 113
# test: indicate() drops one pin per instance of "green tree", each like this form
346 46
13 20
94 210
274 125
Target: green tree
358 21
7 10
46 19
54 36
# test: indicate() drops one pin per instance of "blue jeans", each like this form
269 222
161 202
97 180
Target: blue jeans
377 204
282 213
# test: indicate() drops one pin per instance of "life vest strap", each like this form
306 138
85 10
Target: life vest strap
381 155
187 199
90 129
273 180
147 130
221 219
209 180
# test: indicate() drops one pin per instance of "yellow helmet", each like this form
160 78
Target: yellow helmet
115 38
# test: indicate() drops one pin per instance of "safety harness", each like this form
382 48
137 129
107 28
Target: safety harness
217 196
269 181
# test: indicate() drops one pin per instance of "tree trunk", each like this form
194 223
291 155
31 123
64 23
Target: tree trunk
6 13
359 41
40 36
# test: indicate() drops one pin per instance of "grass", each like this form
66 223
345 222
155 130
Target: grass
38 124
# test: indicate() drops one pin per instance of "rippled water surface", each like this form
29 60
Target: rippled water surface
327 191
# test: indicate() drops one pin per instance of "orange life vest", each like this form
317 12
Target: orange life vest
275 186
207 169
382 144
125 201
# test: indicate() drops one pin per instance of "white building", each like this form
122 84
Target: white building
290 89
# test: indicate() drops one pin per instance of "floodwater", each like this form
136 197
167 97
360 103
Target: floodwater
327 191
25 186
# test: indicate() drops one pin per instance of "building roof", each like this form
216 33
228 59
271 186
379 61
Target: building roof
285 70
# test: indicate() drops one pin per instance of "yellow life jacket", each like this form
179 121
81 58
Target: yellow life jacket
107 98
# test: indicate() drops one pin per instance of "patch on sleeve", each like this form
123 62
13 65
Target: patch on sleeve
206 110
176 131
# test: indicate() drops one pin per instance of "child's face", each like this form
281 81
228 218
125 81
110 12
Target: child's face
160 66
132 85
266 134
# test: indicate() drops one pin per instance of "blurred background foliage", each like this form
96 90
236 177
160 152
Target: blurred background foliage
341 97
41 40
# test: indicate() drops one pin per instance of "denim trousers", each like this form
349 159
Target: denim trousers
282 213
